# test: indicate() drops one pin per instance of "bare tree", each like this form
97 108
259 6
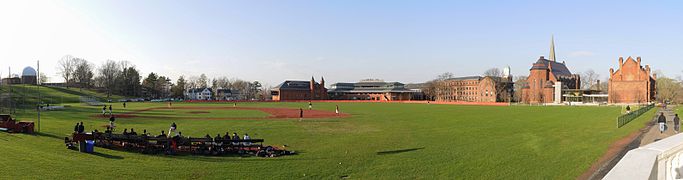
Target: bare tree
43 78
442 90
66 66
108 72
222 82
589 79
520 82
203 81
667 89
83 74
493 72
444 76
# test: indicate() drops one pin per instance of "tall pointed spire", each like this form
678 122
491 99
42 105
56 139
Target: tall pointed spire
551 56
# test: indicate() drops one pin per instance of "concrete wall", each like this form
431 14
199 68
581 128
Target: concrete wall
660 160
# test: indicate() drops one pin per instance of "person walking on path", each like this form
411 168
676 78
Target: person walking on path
110 110
662 122
677 124
124 105
301 114
310 105
104 110
628 109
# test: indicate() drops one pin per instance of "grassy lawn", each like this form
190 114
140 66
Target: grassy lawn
380 140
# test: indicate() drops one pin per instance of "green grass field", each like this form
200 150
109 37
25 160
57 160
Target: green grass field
380 140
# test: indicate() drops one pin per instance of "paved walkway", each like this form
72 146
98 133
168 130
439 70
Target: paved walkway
653 133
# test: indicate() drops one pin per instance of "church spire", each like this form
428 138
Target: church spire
551 56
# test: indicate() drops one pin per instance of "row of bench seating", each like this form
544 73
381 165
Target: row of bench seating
174 145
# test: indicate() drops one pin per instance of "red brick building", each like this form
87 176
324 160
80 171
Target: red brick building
477 89
546 80
631 83
300 90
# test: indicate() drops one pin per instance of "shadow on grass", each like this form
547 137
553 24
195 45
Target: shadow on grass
49 135
225 157
106 155
398 151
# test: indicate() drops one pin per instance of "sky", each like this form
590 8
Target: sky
344 40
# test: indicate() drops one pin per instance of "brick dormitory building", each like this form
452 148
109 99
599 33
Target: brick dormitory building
476 89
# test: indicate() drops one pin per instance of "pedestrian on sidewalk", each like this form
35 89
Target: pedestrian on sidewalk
662 122
677 124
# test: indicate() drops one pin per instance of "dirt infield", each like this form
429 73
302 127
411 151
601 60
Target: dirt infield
275 113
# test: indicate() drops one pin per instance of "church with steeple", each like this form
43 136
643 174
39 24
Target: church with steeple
547 78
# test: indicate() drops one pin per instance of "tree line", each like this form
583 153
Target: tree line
124 78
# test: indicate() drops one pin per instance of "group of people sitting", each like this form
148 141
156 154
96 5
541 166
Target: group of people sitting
174 133
174 141
133 133
235 137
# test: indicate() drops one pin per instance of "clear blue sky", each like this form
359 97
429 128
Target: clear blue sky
406 41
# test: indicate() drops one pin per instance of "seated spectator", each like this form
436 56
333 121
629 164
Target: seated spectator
217 138
260 152
227 136
162 134
125 131
132 132
76 128
68 143
180 134
144 132
246 137
235 138
207 136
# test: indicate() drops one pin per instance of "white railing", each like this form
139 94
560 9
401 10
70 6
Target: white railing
659 160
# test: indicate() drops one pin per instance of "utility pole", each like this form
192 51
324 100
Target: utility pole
9 84
40 98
